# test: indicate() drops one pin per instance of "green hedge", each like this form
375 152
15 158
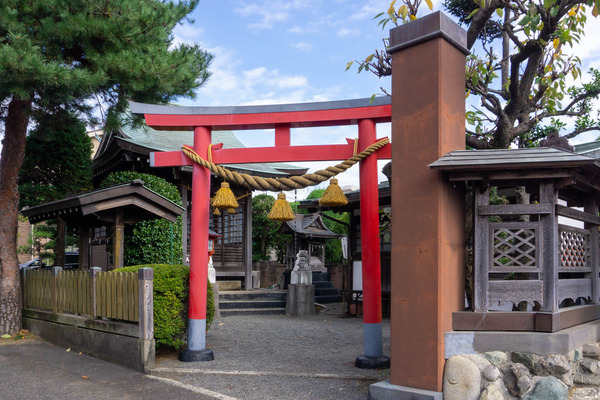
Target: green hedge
171 296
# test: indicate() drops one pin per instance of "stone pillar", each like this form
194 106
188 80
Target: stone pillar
428 121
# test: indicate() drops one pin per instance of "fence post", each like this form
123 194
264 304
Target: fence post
23 285
146 302
55 272
93 291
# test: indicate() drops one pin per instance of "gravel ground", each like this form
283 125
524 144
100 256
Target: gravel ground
281 357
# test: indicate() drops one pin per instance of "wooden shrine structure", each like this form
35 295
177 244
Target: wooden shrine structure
545 253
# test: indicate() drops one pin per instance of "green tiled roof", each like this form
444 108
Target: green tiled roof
173 140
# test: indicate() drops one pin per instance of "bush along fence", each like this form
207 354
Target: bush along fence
106 314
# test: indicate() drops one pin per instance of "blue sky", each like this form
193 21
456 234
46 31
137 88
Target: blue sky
274 51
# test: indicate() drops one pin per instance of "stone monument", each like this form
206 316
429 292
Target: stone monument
301 292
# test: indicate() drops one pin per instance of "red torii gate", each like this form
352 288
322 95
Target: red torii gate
203 120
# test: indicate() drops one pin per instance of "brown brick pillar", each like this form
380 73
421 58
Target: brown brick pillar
428 120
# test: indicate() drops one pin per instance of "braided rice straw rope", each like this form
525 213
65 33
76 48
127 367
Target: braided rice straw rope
283 184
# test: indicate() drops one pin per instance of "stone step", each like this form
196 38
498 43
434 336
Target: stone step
322 284
251 295
328 299
326 292
320 276
252 311
255 303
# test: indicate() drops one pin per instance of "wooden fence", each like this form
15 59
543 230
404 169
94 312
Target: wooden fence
113 295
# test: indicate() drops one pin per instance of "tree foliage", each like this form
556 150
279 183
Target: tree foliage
155 241
62 54
518 68
264 231
57 160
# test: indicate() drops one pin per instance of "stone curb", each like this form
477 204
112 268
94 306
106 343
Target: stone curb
182 371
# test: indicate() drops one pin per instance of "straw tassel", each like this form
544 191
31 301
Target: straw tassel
216 211
333 195
281 210
231 211
224 197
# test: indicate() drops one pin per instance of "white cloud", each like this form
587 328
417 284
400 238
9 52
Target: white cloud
270 12
304 46
348 32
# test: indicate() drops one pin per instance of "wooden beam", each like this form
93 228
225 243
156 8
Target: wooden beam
578 215
515 209
267 155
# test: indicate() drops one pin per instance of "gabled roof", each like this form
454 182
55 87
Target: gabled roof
310 225
538 157
99 206
143 140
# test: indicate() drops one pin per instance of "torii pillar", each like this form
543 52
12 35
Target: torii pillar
428 120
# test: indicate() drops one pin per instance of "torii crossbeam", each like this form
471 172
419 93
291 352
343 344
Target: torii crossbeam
203 120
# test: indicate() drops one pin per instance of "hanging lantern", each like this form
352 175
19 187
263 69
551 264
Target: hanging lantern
333 195
281 210
224 198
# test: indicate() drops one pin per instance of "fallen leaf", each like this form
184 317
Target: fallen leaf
222 323
69 349
79 353
85 377
5 336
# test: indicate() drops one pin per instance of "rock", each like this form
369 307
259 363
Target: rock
492 392
479 360
591 351
556 365
526 359
548 388
497 358
578 354
491 373
589 365
462 379
586 378
516 378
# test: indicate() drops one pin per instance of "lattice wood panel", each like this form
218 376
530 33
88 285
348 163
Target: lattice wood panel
513 246
574 247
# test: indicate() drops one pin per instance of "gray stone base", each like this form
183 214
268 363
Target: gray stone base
300 300
386 391
104 342
541 343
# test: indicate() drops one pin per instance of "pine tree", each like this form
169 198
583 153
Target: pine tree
57 53
58 160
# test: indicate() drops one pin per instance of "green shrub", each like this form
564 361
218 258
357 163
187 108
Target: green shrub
171 297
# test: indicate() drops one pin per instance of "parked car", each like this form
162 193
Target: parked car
36 263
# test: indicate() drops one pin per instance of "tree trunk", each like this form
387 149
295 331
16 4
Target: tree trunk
13 151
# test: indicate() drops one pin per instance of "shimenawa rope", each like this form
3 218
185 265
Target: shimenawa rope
283 184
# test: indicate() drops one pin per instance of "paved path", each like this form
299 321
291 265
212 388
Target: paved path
258 357
33 369
280 357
